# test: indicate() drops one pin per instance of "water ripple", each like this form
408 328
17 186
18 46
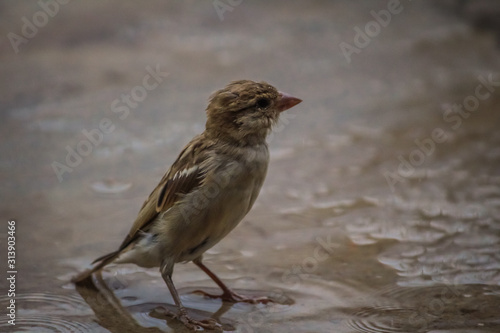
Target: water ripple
109 186
45 312
420 309
383 319
55 301
49 324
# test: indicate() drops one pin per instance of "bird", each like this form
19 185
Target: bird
207 191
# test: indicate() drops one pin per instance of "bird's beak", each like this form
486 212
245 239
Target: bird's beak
286 101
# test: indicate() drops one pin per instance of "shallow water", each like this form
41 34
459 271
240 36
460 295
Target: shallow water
381 210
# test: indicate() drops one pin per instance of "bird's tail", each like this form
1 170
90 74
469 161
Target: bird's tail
100 263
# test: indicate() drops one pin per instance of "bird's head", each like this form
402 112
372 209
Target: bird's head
245 111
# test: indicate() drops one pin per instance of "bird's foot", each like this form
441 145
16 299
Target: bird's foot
193 324
231 296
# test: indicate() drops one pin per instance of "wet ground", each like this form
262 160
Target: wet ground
381 209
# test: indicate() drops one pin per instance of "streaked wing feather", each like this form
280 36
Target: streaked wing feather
182 177
181 183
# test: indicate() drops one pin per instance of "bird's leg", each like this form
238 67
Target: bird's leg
211 324
227 294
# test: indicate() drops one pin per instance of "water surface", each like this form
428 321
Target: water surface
381 208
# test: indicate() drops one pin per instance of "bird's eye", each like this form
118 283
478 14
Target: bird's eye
263 103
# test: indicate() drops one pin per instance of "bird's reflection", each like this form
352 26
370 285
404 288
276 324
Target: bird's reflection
112 316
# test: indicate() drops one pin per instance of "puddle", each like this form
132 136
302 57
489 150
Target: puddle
381 209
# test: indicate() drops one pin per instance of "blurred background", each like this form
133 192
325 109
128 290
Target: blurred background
381 208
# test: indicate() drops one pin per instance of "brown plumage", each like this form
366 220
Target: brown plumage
208 189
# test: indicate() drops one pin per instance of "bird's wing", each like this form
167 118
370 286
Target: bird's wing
184 175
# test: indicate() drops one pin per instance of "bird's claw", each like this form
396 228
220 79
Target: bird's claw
193 324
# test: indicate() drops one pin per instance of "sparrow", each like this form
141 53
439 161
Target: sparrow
207 191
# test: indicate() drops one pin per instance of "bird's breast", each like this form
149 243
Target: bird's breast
223 200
